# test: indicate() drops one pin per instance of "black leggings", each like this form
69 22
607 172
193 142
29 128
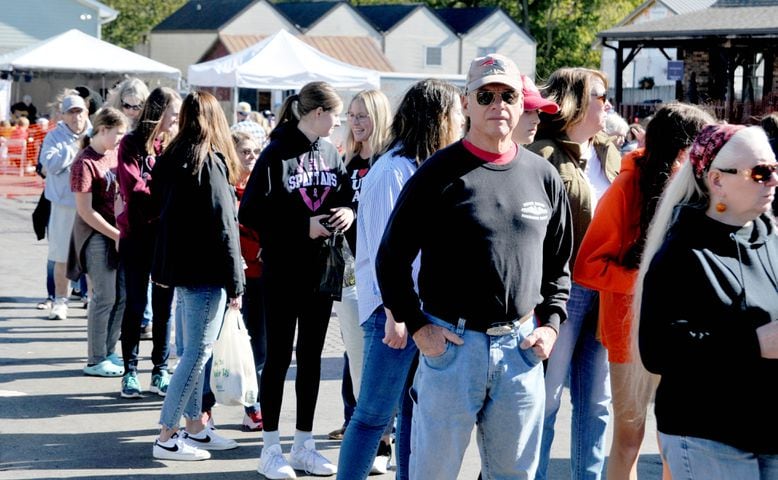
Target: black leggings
287 306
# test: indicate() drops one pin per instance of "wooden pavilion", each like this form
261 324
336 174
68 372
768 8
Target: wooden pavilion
731 37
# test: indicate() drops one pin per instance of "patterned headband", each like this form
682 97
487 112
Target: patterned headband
707 145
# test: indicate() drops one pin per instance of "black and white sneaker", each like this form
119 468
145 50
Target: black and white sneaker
177 449
209 440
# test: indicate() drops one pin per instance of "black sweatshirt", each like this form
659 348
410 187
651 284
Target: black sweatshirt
198 241
495 241
293 181
706 291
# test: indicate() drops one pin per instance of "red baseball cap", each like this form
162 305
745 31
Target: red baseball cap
533 100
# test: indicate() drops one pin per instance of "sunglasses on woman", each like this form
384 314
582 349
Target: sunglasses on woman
759 173
486 97
127 106
248 151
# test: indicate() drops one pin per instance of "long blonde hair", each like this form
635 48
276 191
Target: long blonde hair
380 112
684 189
149 123
203 130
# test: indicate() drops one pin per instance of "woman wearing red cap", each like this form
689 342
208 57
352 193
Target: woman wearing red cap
534 103
574 142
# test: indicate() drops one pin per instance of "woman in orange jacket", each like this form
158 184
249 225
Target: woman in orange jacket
608 261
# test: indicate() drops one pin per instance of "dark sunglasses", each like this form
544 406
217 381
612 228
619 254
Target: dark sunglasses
127 106
759 173
486 97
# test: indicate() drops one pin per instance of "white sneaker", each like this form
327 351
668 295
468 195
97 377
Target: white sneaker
309 460
179 451
383 459
59 311
273 465
209 440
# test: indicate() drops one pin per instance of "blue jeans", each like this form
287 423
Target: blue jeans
490 382
208 398
384 374
202 311
148 312
178 318
578 357
347 392
693 458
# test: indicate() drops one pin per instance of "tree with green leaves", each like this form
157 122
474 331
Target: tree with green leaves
566 30
136 19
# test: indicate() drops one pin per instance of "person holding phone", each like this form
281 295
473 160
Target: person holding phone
297 194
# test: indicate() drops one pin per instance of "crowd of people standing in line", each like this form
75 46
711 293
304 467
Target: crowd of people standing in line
505 242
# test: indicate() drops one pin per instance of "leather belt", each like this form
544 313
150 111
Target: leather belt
506 328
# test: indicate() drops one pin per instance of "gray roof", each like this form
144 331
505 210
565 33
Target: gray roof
203 15
685 6
710 22
463 19
305 14
385 17
746 3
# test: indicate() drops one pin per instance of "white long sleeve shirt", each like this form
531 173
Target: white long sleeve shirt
380 189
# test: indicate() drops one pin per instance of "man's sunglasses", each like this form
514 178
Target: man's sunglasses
127 106
759 173
486 97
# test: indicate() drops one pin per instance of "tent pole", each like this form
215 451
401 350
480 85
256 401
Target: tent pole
235 104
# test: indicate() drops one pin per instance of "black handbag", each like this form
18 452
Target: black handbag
333 264
40 217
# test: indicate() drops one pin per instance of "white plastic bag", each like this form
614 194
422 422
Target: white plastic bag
233 373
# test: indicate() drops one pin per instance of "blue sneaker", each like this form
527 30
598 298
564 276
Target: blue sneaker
159 383
130 386
115 359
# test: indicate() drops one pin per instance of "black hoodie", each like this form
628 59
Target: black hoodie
706 291
293 181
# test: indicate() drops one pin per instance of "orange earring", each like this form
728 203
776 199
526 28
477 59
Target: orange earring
721 208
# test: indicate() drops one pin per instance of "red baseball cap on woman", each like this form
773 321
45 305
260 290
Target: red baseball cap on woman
533 100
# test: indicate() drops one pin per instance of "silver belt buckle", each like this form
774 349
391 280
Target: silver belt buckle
500 330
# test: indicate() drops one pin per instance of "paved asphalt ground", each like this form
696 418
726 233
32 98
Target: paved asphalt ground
57 423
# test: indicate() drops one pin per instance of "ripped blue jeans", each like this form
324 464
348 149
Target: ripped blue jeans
202 312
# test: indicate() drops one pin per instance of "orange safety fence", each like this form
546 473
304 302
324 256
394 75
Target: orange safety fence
19 149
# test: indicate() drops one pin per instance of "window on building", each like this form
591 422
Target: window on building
433 56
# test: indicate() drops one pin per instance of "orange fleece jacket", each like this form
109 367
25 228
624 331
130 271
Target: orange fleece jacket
614 229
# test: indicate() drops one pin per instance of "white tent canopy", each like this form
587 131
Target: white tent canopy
75 51
280 62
